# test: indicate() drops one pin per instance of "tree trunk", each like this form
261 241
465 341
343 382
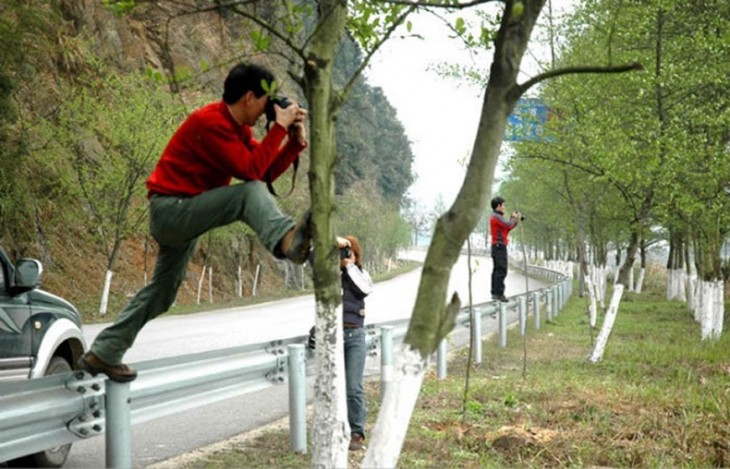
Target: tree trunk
607 326
330 433
432 320
105 292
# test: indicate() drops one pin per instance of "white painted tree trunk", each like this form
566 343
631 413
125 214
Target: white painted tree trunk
210 284
200 284
640 281
699 301
608 321
105 292
396 409
330 429
239 282
670 282
256 279
599 283
681 292
592 307
676 284
712 310
691 291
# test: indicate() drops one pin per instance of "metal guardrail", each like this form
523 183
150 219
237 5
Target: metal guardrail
47 412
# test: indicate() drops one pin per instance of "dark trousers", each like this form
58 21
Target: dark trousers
176 223
499 272
355 354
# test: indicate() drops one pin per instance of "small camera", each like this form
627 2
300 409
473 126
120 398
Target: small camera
522 218
345 253
282 101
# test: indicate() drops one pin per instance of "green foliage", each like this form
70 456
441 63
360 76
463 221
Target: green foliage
114 131
120 7
656 400
636 149
368 21
26 38
365 213
371 141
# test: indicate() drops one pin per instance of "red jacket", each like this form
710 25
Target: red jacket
499 227
210 148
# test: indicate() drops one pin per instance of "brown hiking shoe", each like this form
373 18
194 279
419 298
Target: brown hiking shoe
120 373
297 243
357 442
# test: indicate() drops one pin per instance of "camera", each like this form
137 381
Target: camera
345 253
282 101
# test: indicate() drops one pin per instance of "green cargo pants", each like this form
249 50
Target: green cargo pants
176 223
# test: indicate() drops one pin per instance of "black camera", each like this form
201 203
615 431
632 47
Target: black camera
345 253
522 217
269 110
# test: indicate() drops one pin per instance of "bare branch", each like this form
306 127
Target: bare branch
447 5
369 55
522 89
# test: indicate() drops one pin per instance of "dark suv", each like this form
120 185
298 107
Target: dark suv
40 335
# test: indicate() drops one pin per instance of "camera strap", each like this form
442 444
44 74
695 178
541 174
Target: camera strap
269 184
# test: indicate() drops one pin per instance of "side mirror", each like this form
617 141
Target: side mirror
27 274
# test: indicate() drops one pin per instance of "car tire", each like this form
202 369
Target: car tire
52 457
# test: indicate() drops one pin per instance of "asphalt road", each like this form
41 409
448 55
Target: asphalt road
170 436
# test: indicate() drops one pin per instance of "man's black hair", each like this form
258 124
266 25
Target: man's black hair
243 78
496 202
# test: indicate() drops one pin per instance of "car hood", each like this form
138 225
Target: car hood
39 296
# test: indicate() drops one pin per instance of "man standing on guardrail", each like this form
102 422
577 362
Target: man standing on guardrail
190 193
499 228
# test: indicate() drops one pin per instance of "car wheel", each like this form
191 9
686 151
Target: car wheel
52 457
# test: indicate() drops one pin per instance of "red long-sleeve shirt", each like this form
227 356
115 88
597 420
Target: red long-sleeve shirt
210 148
499 228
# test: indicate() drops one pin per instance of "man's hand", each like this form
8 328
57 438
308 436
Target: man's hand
343 242
298 132
292 118
517 215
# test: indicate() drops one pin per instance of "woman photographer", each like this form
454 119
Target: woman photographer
356 285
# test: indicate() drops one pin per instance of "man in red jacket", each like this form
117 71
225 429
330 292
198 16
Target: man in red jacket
190 193
499 227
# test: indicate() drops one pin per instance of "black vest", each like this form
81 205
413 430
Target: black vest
353 301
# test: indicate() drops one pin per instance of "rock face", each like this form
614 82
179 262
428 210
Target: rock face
164 37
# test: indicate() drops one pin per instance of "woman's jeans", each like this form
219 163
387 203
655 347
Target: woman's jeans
355 354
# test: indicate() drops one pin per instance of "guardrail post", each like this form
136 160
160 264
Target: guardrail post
561 295
386 359
556 300
476 323
502 325
523 314
536 303
118 426
549 304
442 353
297 398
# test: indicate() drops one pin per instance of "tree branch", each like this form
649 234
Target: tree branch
447 5
366 60
522 89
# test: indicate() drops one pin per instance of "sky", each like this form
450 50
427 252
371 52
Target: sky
440 115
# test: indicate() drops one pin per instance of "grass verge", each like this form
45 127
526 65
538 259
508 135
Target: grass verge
659 398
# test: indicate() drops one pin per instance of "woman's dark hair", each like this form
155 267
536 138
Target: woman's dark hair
355 246
496 202
243 78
